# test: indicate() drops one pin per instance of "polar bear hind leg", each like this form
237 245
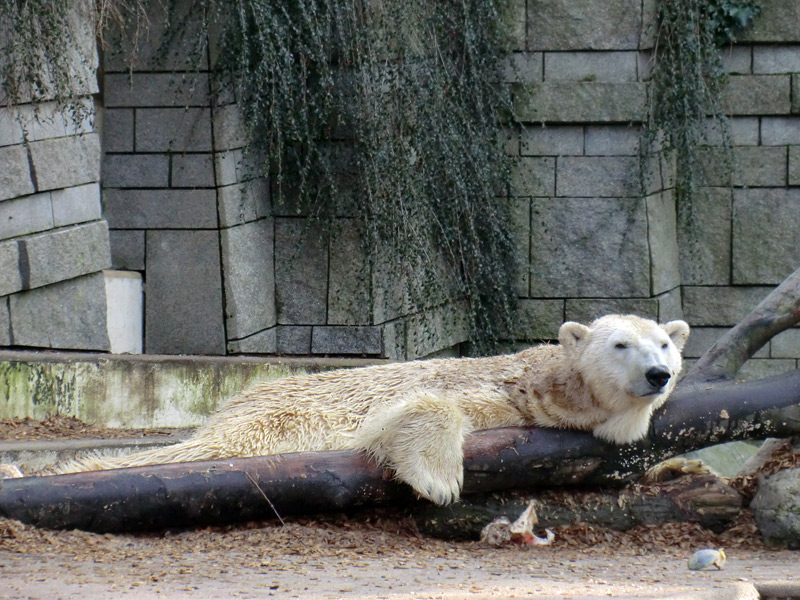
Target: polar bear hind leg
421 438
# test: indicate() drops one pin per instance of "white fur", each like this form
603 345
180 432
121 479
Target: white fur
413 417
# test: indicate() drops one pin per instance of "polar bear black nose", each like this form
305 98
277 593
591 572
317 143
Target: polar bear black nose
658 376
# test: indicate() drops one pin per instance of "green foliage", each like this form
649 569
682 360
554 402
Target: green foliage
386 112
685 104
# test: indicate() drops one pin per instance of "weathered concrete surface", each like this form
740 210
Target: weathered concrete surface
134 391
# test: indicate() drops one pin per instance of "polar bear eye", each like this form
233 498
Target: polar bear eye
620 346
664 346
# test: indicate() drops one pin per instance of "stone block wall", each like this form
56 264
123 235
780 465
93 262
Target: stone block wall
54 240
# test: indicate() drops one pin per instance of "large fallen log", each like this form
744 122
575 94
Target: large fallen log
706 409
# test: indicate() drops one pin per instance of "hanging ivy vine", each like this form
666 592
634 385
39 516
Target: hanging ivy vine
685 104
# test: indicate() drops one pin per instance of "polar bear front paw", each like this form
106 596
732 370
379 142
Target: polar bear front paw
441 488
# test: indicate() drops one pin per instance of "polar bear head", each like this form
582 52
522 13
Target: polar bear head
627 362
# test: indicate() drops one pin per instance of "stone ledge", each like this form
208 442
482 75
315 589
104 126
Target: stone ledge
576 102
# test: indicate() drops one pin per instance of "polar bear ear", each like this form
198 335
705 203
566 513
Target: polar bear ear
678 331
572 334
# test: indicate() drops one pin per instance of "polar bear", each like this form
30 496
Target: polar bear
607 377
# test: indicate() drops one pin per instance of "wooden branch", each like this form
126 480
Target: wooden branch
176 495
777 312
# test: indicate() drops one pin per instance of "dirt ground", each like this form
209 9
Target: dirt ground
375 554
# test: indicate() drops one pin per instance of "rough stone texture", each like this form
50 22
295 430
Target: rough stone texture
150 209
780 130
539 319
776 507
757 95
173 129
779 22
776 59
62 254
249 271
533 177
263 342
136 170
585 101
192 170
796 96
663 239
118 130
786 344
551 141
523 67
584 24
5 323
521 235
15 174
763 220
612 140
589 248
76 204
705 241
65 162
301 272
759 166
737 59
243 202
127 249
794 165
11 280
346 340
436 329
156 89
590 66
597 176
293 339
702 338
349 273
760 368
68 315
229 128
585 311
719 305
10 129
183 312
670 306
25 215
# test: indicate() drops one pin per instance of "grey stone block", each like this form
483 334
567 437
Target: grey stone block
127 249
670 306
794 165
25 215
66 162
776 59
533 176
557 140
301 272
585 101
662 236
766 229
760 368
523 67
10 277
173 129
589 248
46 120
183 304
776 508
796 96
590 66
779 22
584 24
192 170
149 209
521 235
586 311
5 323
702 338
612 140
538 319
780 131
512 22
156 89
70 315
230 131
720 306
263 342
10 129
243 202
757 95
349 291
759 166
15 173
76 204
346 340
737 59
436 329
293 339
66 253
786 344
597 176
705 240
743 131
249 276
118 130
136 171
